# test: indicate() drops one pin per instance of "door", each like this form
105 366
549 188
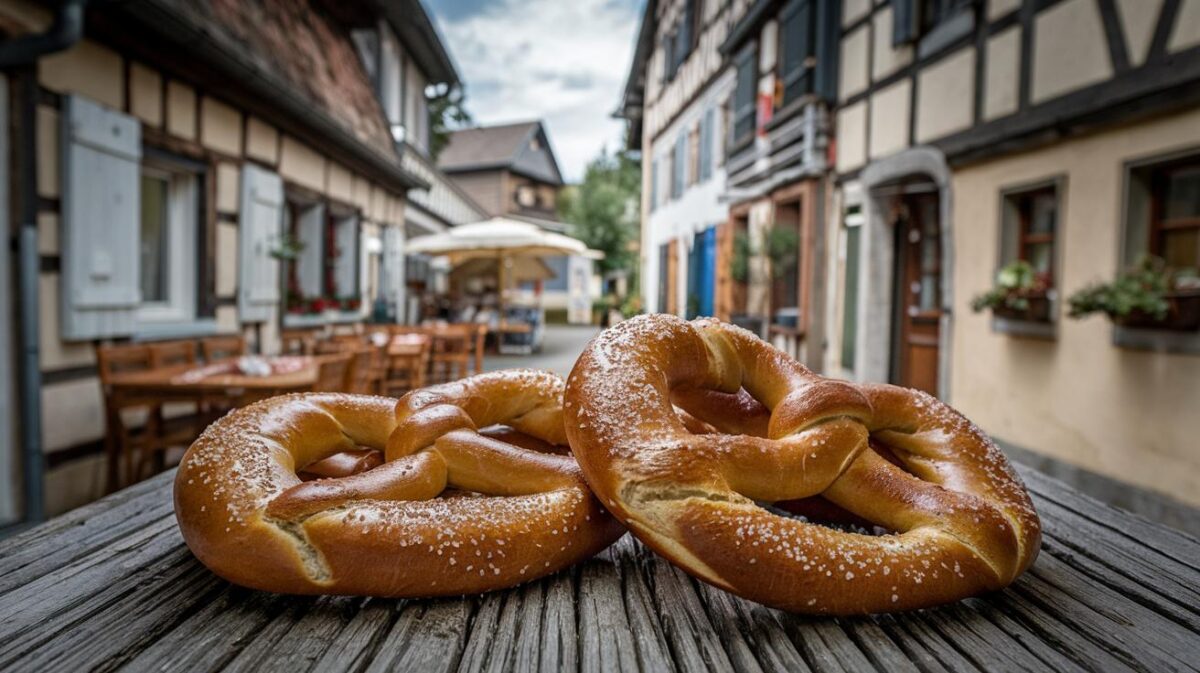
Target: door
918 312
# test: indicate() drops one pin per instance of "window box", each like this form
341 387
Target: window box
1038 309
1183 314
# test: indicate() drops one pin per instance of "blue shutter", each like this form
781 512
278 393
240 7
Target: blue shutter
904 22
101 221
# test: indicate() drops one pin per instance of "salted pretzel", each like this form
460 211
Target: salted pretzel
960 521
447 510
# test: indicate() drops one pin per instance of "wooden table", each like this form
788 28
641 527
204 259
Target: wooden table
112 586
190 381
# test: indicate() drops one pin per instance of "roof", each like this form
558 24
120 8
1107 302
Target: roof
633 96
272 57
506 146
422 40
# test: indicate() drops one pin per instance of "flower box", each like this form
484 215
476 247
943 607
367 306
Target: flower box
1183 314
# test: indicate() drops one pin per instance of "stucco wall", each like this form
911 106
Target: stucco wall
1122 413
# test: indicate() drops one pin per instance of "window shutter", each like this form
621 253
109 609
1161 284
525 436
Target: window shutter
706 143
346 237
744 94
653 185
261 225
101 208
904 22
393 263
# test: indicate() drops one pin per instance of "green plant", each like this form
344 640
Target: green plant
287 248
1016 283
631 306
739 261
782 243
1142 288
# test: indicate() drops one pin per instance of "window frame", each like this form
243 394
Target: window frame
1158 223
183 224
1025 237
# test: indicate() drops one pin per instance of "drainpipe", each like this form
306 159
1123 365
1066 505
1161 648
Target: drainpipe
20 55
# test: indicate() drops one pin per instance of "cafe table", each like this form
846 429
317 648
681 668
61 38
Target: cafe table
193 381
111 586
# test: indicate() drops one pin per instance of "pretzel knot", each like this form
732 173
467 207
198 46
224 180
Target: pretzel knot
960 521
449 511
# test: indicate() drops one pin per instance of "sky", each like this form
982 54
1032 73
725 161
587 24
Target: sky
562 61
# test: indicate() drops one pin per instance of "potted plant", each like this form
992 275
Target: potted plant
287 248
1020 293
1148 294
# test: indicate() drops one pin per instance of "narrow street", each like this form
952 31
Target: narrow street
562 345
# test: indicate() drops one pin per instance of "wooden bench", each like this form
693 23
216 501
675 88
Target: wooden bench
112 585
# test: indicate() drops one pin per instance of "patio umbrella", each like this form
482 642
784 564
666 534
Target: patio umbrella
523 269
500 239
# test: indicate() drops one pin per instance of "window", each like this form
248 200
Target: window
913 18
526 196
744 95
706 144
1032 218
342 258
679 164
391 84
325 243
167 242
669 63
654 185
693 152
796 51
1175 214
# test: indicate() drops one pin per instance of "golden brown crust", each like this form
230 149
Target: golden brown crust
964 522
246 514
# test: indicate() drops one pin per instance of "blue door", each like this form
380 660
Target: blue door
708 283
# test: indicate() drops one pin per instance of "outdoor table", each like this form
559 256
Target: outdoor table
112 585
190 381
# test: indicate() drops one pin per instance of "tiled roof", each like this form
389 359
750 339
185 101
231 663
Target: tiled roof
298 42
505 146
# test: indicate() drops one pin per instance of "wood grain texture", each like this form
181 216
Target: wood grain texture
112 587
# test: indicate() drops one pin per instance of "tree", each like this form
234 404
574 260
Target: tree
603 210
446 113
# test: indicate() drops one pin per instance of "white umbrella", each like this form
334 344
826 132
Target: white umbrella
501 239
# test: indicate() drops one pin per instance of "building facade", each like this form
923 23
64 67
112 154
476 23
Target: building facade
728 102
1062 135
510 170
193 169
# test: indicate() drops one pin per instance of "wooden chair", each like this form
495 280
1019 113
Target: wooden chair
121 439
298 341
453 351
365 365
405 369
170 353
182 428
223 347
334 374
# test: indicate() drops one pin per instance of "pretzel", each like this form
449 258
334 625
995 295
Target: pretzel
962 520
449 511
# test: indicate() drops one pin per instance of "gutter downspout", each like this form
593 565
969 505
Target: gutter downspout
21 55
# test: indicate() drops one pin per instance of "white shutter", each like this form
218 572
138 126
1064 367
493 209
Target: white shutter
311 229
100 209
393 263
346 238
261 227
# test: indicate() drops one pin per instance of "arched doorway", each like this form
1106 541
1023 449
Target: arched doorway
905 315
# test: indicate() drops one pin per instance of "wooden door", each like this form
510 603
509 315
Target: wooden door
918 301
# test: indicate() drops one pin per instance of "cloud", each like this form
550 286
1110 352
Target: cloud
561 61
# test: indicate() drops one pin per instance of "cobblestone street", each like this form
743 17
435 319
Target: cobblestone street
561 347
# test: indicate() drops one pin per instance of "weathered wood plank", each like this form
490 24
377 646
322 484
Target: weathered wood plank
112 586
605 641
213 635
428 636
154 487
86 582
1154 539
